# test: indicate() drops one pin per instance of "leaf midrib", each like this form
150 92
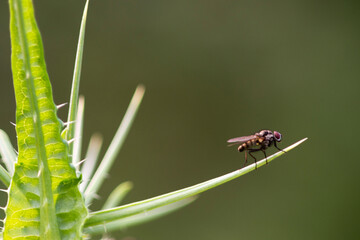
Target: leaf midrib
47 209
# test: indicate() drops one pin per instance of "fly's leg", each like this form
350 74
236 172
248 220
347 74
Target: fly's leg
278 148
253 150
265 155
245 158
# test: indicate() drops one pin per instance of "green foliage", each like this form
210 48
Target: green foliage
45 200
105 219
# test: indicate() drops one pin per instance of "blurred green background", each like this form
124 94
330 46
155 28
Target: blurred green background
216 70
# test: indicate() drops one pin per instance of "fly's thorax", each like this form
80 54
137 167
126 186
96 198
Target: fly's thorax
264 133
260 141
265 141
269 137
266 144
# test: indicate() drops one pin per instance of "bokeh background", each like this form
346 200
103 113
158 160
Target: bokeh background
215 70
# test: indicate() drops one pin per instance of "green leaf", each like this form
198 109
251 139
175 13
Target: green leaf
8 156
98 218
117 195
4 176
114 199
7 151
115 145
91 158
44 200
139 218
69 132
78 133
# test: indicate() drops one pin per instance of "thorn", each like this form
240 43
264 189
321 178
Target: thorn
2 208
4 190
13 124
85 180
71 141
68 123
79 163
96 196
61 105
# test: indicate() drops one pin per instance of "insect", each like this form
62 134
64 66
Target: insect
263 139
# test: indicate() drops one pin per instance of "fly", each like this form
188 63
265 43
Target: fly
262 140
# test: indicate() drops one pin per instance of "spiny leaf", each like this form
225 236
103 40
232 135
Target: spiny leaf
139 218
5 176
69 132
91 158
101 217
44 200
115 145
117 195
76 155
7 152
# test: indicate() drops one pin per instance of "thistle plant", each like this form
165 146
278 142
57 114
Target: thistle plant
49 188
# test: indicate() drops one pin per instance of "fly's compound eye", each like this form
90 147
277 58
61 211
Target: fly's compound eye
277 136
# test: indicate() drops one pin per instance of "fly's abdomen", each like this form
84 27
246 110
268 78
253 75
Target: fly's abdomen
242 147
247 145
250 143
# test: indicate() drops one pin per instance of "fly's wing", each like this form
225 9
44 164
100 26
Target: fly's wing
239 140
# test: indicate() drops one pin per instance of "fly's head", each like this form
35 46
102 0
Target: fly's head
277 136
